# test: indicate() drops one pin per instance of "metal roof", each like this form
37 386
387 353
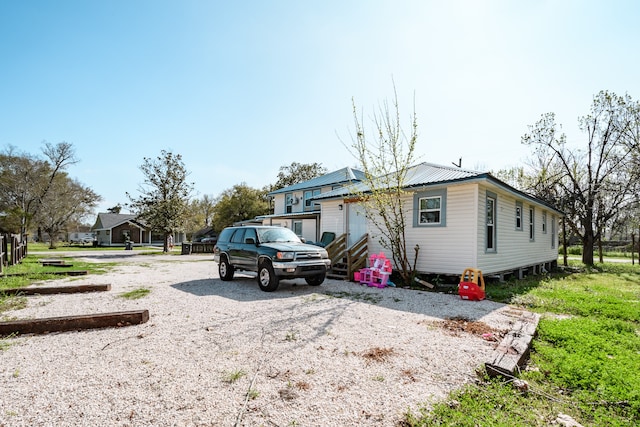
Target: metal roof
340 176
429 174
419 175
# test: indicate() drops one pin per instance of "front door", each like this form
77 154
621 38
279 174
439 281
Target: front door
356 223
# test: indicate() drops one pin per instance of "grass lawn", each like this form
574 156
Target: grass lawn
31 271
585 360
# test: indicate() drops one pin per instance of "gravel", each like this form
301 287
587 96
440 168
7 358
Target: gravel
217 353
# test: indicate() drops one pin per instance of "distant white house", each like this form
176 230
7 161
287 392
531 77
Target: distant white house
458 218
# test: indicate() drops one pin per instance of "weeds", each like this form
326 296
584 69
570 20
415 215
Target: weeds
583 361
5 342
231 377
136 293
358 296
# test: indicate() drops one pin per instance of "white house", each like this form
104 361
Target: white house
459 219
295 209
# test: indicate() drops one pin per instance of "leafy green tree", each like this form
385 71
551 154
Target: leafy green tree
385 158
298 172
201 213
239 203
597 182
164 194
116 209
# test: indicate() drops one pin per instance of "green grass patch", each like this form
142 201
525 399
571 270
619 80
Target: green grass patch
584 361
357 296
136 293
30 271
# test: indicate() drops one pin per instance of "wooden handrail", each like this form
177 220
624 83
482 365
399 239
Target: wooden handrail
354 257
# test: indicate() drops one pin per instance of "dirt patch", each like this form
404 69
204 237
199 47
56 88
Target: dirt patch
459 324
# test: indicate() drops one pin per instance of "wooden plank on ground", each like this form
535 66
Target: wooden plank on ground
56 264
59 273
56 290
512 352
74 323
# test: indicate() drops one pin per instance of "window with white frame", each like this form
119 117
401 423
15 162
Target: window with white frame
532 228
491 232
288 202
429 210
544 222
519 216
308 194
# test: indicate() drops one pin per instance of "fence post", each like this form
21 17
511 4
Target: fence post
3 251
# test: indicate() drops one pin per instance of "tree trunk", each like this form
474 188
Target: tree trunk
564 242
587 247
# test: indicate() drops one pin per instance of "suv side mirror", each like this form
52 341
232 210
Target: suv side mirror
250 241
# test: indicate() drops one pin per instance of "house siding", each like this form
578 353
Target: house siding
332 218
443 250
514 248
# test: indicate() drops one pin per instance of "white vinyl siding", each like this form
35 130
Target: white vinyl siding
332 218
443 250
514 247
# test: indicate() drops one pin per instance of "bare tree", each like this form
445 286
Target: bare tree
385 157
597 182
27 180
66 202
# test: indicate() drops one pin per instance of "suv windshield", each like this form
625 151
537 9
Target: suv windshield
266 235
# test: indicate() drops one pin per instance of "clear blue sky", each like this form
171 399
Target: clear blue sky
242 88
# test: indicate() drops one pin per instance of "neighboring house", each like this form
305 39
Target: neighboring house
459 219
295 209
112 230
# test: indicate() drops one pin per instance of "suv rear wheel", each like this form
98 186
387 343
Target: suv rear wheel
267 279
225 270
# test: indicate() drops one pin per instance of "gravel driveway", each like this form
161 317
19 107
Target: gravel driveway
220 353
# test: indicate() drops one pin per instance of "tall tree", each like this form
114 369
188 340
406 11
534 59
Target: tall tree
239 203
164 194
27 180
298 172
67 201
595 183
385 158
201 213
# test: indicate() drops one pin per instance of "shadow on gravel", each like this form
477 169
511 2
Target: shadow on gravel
442 306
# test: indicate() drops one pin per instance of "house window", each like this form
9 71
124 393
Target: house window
297 227
288 203
553 232
531 224
308 204
519 216
490 237
429 209
544 223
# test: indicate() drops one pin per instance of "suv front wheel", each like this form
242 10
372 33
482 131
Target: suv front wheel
267 279
225 270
